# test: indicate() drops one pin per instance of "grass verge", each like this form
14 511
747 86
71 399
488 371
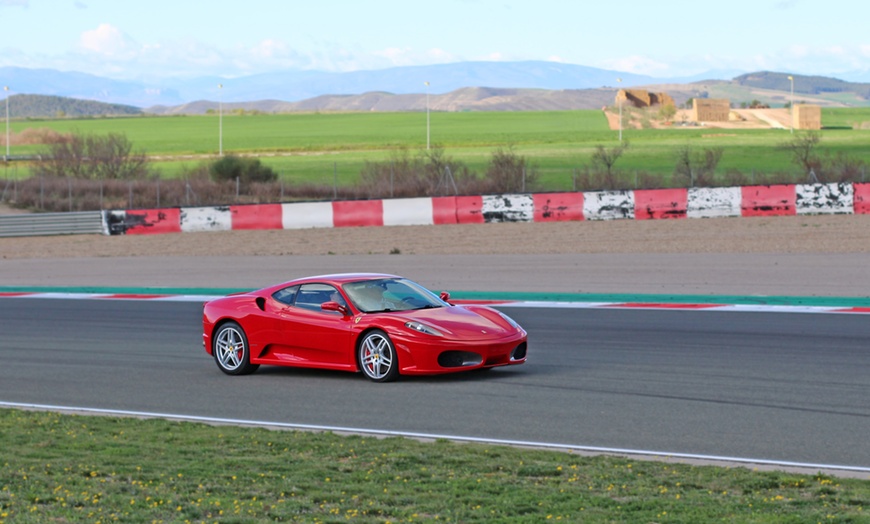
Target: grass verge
70 468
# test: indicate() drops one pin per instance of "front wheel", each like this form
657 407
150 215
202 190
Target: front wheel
231 350
377 357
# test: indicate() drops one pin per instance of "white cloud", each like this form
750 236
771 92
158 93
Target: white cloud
108 41
637 64
401 56
270 49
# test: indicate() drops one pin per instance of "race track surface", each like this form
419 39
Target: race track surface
770 386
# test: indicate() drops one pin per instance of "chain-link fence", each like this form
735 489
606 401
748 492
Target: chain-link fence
56 194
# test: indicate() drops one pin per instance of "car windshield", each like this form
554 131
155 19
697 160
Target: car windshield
390 294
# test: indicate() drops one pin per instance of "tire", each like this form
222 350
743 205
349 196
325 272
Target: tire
377 357
231 350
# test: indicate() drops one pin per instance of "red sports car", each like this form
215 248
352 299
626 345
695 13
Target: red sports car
382 325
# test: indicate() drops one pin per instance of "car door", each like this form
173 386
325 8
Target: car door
317 337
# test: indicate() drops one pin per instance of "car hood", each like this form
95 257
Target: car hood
463 322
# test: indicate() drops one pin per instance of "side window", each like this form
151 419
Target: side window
286 295
311 296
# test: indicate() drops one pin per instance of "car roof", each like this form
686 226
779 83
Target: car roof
338 278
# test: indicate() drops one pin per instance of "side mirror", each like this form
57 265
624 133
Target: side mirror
445 296
334 306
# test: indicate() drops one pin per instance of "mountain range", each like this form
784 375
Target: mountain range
467 86
294 86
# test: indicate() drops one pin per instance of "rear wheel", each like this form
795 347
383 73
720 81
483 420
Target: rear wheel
231 350
377 357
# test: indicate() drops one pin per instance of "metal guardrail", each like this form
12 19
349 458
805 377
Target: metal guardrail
35 224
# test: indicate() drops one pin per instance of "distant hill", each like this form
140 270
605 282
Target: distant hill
465 99
809 85
42 106
72 84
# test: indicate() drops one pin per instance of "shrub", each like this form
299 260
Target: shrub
245 170
428 173
509 172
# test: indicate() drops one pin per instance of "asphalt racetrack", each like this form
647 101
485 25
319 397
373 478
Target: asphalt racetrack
788 387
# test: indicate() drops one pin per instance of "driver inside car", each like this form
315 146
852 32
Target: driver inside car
371 298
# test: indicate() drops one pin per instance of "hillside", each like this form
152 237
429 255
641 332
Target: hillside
773 89
44 106
806 85
465 99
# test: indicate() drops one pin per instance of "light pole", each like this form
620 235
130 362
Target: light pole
6 88
427 115
619 103
220 120
791 105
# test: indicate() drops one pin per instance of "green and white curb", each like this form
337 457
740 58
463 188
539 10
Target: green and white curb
737 303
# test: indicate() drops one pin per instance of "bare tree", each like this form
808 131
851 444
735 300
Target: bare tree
509 172
604 159
697 168
802 148
109 157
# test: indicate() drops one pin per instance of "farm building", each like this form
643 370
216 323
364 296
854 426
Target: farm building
805 116
710 109
641 98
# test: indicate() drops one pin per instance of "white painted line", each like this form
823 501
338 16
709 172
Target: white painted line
739 308
185 298
68 296
432 436
553 304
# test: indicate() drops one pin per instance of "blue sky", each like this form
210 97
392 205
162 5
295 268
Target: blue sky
149 40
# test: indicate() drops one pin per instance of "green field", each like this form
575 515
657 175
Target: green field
64 468
316 147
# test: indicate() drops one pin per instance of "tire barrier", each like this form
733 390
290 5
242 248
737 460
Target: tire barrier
646 204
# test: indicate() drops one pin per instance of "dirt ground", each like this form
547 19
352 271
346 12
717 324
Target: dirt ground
823 234
746 119
797 256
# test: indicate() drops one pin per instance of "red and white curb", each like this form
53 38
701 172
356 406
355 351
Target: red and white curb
740 308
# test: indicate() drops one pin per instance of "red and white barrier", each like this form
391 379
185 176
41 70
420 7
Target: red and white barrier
651 204
713 202
861 196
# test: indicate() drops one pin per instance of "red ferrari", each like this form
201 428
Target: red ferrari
382 325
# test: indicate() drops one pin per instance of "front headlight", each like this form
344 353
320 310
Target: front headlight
423 328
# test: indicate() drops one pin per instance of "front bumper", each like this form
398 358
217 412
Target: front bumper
436 356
